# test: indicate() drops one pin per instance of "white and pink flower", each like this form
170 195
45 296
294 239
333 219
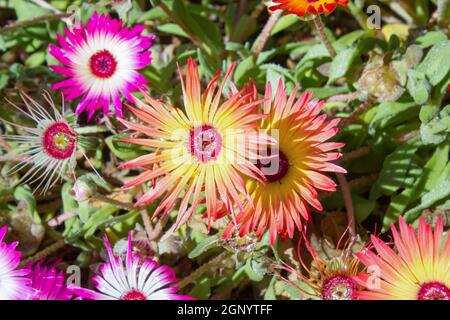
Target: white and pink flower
101 62
133 279
49 148
14 283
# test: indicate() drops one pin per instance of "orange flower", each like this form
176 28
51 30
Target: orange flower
200 154
294 168
419 271
304 7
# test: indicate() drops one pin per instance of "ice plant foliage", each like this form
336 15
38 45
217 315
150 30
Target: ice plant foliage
132 279
304 7
420 270
207 149
49 283
327 278
14 284
101 62
49 147
293 168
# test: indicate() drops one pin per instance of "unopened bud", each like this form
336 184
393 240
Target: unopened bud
83 189
121 6
379 81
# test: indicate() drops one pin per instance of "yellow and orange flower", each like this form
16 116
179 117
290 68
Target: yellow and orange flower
201 154
294 167
420 270
304 7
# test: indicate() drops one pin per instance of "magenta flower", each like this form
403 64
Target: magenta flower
49 283
14 285
132 279
101 62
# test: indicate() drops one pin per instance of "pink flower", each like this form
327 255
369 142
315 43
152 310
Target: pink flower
49 283
132 279
100 62
14 285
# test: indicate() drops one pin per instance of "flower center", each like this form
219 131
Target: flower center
205 143
103 64
340 287
59 141
134 295
274 169
434 291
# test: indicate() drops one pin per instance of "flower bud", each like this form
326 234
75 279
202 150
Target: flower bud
379 81
83 189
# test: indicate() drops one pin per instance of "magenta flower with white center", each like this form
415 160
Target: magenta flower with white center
133 279
49 283
14 284
101 62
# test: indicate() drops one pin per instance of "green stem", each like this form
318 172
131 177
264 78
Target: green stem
147 223
345 188
122 205
355 114
355 154
92 129
44 253
200 271
27 23
265 33
252 19
443 8
320 28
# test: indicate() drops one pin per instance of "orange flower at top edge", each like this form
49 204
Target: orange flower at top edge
304 7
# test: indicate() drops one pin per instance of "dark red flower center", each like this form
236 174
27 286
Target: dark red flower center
205 143
103 64
59 141
434 291
134 295
274 168
339 287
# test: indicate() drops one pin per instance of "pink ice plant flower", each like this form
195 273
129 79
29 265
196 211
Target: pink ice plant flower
133 279
49 283
14 283
101 62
